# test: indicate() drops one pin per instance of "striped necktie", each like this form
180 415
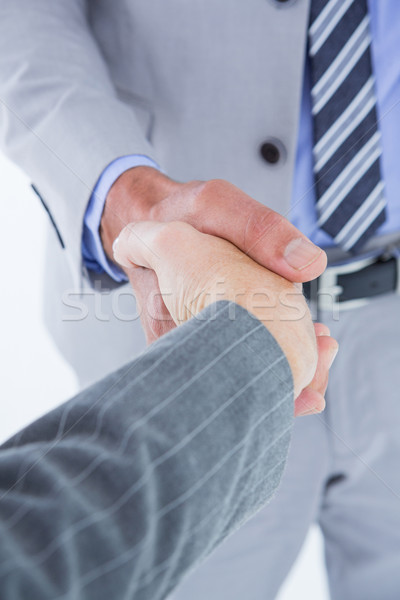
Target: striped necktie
350 191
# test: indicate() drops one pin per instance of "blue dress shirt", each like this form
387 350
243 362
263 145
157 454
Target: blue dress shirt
385 33
92 249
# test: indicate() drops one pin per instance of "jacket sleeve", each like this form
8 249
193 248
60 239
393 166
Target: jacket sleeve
126 487
60 118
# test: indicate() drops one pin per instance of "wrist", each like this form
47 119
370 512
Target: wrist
286 316
131 199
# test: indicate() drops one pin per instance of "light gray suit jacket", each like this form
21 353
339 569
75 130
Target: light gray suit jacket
125 488
197 85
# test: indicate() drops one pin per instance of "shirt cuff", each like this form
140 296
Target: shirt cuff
92 249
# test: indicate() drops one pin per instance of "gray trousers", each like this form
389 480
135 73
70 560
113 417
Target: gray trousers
343 473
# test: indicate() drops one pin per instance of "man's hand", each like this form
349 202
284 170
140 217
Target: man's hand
215 207
193 270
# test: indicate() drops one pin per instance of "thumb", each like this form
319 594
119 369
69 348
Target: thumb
136 244
154 315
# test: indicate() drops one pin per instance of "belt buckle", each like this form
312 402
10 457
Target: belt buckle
394 252
328 289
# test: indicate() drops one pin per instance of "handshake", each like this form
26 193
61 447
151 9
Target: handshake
206 242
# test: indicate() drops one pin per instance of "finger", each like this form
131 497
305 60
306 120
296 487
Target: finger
321 329
154 315
221 209
144 243
311 400
327 350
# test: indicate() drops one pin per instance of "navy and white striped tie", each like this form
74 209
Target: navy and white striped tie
350 191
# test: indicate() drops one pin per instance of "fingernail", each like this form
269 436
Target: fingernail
325 332
301 253
115 243
312 411
333 356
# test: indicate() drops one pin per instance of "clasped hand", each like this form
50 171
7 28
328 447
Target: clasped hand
192 270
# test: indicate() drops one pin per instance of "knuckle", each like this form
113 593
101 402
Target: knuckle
169 232
162 234
204 197
128 237
215 186
127 232
261 225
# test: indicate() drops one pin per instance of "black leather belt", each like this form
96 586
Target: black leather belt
351 284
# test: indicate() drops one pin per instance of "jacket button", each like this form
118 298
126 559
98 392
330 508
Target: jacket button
283 2
270 152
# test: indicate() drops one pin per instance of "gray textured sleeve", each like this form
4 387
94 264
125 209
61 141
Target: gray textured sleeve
60 117
125 488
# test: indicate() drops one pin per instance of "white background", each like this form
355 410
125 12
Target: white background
34 377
